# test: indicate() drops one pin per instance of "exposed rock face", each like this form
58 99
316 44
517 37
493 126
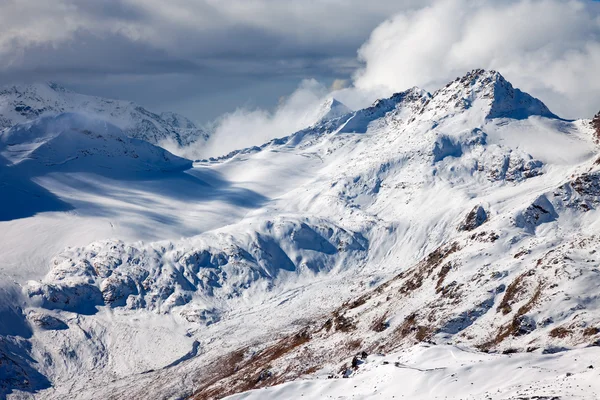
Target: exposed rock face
583 192
46 321
539 212
474 219
596 124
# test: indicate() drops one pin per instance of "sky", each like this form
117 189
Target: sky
252 67
201 57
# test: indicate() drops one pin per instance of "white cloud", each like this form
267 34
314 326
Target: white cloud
245 127
549 48
194 30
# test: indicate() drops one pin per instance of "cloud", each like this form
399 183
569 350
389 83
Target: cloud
242 35
170 55
248 127
339 84
549 48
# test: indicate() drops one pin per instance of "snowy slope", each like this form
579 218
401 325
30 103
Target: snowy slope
78 142
447 372
466 217
22 103
70 143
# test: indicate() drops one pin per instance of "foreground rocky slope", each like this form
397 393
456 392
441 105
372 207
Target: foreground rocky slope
428 372
466 217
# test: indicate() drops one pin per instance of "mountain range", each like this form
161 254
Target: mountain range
433 245
20 103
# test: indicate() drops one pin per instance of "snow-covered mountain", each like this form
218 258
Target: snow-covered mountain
20 103
74 141
425 229
331 109
70 144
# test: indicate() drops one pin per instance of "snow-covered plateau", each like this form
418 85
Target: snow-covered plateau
431 246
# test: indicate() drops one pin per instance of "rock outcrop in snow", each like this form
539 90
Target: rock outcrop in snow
474 219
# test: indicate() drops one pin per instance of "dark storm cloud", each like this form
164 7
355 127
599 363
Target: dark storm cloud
123 36
87 54
112 9
170 54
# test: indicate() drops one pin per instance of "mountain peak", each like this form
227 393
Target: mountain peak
489 91
57 87
480 73
35 87
414 94
404 103
333 102
331 109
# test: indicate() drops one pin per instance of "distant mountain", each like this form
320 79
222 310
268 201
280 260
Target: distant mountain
79 141
331 109
596 125
70 143
20 103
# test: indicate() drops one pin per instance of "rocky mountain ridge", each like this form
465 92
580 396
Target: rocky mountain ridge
20 103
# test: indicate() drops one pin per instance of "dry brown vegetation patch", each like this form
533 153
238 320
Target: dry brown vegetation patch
411 327
442 275
515 326
426 267
354 344
343 323
358 302
247 374
380 323
560 332
513 291
591 331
